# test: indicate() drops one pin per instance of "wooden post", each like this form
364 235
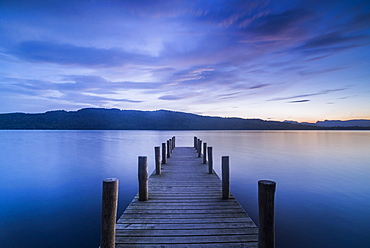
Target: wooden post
157 155
195 142
210 160
174 142
199 148
204 153
164 157
266 202
109 212
168 149
225 177
143 178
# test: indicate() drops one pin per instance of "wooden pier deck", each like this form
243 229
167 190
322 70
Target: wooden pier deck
185 209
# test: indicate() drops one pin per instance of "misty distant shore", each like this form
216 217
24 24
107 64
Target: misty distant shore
115 119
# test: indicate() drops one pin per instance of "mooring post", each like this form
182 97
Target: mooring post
199 148
210 160
168 149
225 177
266 208
204 153
173 142
143 178
157 155
195 142
164 157
109 212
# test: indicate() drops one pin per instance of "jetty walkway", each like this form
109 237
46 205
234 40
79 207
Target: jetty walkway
183 204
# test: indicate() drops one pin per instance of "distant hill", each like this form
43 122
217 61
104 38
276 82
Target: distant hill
115 119
350 123
360 124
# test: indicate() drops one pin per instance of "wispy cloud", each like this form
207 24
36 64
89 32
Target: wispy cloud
299 101
324 92
67 54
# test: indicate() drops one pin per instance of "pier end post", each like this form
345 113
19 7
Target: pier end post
143 178
204 153
109 212
168 149
225 177
266 208
210 160
199 148
157 155
164 156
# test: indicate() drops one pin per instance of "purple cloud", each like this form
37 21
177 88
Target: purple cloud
67 54
324 92
299 101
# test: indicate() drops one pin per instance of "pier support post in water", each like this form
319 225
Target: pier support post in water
195 142
225 177
210 160
143 178
157 155
266 205
164 157
204 153
199 148
109 212
173 142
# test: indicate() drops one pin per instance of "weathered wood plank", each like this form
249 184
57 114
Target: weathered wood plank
205 245
184 232
186 239
182 221
185 226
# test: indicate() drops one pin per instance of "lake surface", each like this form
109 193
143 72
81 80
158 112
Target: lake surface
51 182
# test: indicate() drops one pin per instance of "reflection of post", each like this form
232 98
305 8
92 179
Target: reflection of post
109 212
204 153
210 160
199 148
143 178
157 155
225 177
266 202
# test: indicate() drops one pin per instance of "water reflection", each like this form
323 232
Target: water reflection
51 181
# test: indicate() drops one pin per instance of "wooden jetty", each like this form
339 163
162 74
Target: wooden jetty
185 204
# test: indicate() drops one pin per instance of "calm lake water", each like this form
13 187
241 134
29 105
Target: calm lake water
51 182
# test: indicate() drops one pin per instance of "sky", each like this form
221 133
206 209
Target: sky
275 60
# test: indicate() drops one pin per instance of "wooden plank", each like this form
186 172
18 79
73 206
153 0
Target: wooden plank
185 226
186 240
205 245
182 221
184 232
185 209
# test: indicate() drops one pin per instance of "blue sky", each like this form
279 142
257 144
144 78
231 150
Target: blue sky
280 60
